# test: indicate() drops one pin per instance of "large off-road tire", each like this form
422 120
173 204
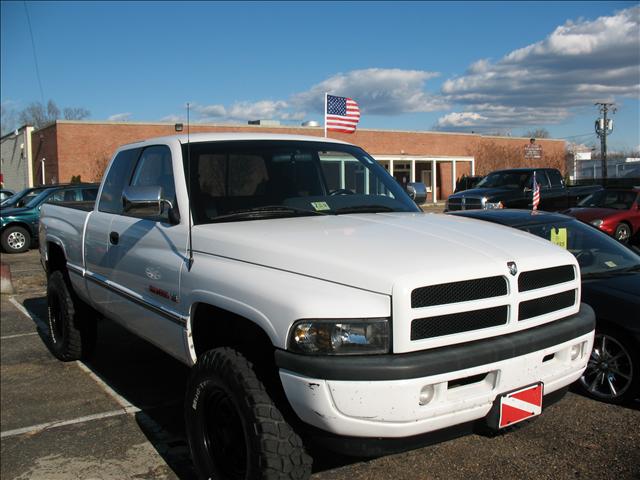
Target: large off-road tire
15 239
235 430
72 327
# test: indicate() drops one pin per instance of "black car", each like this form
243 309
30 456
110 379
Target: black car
513 189
610 284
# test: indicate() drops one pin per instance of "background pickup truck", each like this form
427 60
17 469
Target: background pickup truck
513 189
312 299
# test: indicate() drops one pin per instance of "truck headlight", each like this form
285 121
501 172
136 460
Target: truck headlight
340 336
596 223
491 205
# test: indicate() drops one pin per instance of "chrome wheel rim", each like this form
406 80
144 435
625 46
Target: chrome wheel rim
16 240
623 233
610 370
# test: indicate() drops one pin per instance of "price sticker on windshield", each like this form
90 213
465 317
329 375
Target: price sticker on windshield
559 237
320 206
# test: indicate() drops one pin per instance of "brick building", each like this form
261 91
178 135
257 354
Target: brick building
70 148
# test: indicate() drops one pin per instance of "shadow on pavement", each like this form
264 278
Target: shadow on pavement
154 382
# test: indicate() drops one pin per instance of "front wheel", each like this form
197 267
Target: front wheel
612 371
622 233
15 239
234 429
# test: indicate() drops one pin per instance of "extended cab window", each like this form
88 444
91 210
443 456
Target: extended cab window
155 169
556 178
118 176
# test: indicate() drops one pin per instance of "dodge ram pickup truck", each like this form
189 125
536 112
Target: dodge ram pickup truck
311 298
514 189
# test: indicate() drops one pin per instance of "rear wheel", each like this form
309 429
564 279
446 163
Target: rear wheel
234 429
622 233
72 330
15 239
612 371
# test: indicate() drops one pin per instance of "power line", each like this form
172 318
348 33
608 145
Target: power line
35 57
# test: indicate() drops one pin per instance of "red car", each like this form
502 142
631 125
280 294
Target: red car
614 211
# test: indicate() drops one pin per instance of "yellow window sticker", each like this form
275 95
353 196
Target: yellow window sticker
559 237
610 264
320 206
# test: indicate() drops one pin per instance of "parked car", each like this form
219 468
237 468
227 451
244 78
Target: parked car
614 211
513 189
19 224
466 182
610 284
307 301
23 196
4 194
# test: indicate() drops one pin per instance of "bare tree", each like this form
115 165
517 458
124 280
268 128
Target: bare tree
8 119
538 133
38 115
76 113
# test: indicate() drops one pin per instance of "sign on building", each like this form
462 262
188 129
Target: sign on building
533 151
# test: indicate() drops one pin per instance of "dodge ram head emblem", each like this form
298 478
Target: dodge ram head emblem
513 268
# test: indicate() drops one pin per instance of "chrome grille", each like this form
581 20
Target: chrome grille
463 203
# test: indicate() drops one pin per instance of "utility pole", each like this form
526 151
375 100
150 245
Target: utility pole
604 127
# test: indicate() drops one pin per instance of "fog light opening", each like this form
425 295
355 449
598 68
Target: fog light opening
576 351
426 394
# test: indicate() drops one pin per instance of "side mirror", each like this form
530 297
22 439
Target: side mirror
142 201
417 191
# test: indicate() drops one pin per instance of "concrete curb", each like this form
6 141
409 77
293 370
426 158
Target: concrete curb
6 285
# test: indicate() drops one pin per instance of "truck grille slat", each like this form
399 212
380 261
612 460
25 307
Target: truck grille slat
543 305
455 292
545 277
458 322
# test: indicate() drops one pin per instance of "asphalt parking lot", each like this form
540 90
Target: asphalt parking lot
119 416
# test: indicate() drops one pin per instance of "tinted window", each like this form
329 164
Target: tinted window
555 177
155 169
117 177
543 180
57 197
89 194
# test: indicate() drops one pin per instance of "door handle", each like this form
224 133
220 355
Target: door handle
114 238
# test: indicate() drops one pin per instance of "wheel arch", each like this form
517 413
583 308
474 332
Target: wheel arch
56 257
211 326
24 225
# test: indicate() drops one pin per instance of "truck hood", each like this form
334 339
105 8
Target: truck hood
375 251
14 212
483 192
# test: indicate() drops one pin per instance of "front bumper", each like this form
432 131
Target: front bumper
379 396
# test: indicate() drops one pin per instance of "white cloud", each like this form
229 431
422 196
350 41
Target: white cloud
461 119
120 117
377 91
390 91
578 64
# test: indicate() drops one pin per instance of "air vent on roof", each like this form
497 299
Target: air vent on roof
265 123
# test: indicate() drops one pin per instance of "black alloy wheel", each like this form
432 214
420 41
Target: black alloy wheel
622 233
612 370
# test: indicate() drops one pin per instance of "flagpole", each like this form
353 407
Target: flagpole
325 114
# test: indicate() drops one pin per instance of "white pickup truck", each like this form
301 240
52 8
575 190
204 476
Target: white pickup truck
312 298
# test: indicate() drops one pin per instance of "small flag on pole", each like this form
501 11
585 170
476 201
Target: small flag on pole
536 192
341 114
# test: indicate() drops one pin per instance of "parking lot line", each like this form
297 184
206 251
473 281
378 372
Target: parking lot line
63 423
7 337
38 321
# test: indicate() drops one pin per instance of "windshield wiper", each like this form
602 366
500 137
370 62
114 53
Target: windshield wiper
364 209
260 213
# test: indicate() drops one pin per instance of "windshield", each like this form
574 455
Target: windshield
596 252
16 200
616 199
251 180
506 180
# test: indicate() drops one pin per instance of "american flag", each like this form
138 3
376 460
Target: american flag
536 192
342 114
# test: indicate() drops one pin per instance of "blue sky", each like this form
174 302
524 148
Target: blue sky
469 66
